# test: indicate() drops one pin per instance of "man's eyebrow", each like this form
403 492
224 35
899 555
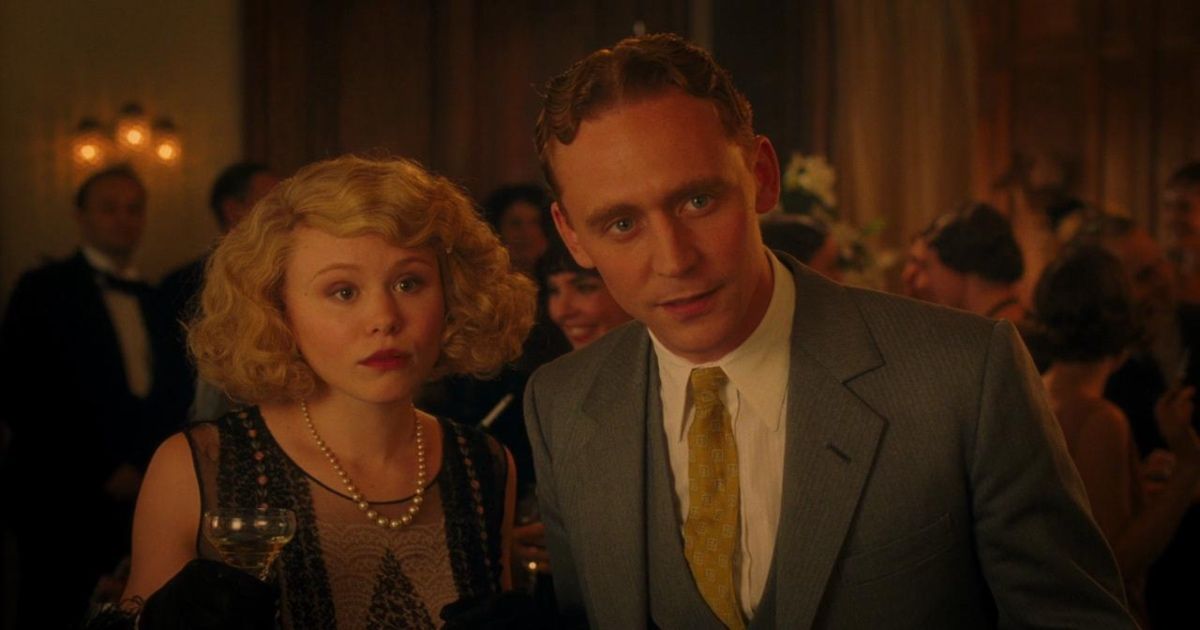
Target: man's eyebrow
598 221
607 214
712 185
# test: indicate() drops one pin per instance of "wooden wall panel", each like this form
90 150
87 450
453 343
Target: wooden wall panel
451 83
1108 87
384 94
781 56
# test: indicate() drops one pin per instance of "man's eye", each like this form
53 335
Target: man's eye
700 202
621 225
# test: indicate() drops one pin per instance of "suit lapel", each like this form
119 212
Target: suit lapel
832 437
608 464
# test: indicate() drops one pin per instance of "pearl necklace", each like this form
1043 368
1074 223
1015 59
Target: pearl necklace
365 507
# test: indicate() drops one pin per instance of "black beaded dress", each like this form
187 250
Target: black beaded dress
340 570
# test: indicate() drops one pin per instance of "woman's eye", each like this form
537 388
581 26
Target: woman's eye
407 285
587 287
344 294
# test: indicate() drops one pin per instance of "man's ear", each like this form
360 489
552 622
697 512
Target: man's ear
569 237
765 166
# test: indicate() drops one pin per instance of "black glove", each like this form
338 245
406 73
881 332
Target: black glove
208 594
496 611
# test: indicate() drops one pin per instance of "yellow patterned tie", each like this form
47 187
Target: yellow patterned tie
710 533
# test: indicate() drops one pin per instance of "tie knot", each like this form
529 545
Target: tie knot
115 283
708 381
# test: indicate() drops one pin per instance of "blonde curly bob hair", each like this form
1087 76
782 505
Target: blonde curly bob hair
241 339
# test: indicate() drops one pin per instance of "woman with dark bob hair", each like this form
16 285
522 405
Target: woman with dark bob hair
1085 317
346 288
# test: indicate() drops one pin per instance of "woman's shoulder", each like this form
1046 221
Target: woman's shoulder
1095 422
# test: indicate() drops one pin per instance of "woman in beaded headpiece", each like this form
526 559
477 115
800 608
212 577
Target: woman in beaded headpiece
347 288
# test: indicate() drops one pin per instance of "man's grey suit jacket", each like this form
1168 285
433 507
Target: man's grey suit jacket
926 482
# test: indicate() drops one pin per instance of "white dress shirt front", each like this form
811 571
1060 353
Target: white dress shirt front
126 315
756 397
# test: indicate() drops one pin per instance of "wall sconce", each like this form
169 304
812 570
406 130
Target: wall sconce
90 146
165 141
132 136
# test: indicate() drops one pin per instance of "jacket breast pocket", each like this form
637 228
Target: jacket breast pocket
898 555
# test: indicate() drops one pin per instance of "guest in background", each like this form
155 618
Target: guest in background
577 300
94 377
914 281
518 214
351 283
1166 354
234 193
1182 204
974 263
806 238
1085 311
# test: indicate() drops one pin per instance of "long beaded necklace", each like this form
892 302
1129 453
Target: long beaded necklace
351 489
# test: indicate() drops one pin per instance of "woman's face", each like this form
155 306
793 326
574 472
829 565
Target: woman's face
582 307
367 315
521 232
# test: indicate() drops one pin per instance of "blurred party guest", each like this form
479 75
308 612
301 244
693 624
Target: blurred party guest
914 280
1166 355
576 298
347 288
234 193
1085 310
94 378
974 263
518 213
1182 203
808 239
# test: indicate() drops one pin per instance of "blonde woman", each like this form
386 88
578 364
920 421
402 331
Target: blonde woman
348 287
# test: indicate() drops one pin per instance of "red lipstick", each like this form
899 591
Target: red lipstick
390 359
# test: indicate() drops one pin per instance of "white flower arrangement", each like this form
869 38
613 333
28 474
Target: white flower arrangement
809 190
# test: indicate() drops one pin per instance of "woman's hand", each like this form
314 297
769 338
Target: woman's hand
1173 414
529 547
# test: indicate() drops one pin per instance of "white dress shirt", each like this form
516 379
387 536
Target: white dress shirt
756 397
126 315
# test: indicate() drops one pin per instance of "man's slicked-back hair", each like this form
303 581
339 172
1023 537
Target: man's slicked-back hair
637 67
233 182
124 171
1186 176
978 240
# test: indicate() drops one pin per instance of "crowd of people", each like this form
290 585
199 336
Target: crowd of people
619 394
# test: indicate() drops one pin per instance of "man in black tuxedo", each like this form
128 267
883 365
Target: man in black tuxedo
93 378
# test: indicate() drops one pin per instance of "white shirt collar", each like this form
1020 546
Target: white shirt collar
102 262
758 368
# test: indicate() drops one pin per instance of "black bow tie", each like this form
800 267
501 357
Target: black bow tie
132 287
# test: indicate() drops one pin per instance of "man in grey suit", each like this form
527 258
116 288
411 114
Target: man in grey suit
762 447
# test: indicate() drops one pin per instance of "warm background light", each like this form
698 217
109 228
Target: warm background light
88 146
166 141
133 130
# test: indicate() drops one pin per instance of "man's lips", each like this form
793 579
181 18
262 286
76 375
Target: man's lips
690 305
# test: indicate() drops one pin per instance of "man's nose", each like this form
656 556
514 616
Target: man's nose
674 245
